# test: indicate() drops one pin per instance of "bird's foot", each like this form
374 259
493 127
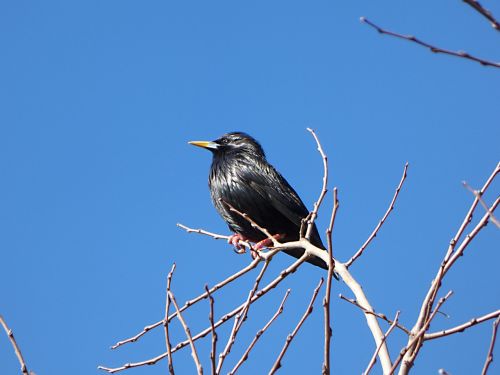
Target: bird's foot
235 241
266 242
262 244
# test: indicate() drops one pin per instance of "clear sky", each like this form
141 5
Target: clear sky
98 100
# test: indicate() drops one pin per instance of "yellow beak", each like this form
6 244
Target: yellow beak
205 144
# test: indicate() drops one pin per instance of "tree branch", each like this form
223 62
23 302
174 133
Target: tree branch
165 322
449 259
240 318
430 47
381 222
415 339
485 206
290 337
214 333
188 334
215 236
462 327
324 188
17 350
271 285
484 12
327 299
259 334
489 356
191 302
378 315
374 357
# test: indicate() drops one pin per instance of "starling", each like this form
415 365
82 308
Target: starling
241 176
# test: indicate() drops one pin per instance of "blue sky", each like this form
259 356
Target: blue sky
98 100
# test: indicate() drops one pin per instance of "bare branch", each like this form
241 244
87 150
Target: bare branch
212 328
329 230
129 365
416 339
485 206
371 320
467 240
271 285
165 322
381 222
191 302
378 315
343 272
188 334
432 48
324 188
468 217
327 299
17 350
290 337
259 334
240 318
374 357
215 236
462 327
486 13
489 356
449 259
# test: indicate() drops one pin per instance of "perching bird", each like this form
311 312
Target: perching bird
241 176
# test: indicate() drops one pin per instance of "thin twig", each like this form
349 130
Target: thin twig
165 322
277 363
327 299
419 334
191 302
468 216
432 48
17 350
489 356
486 13
485 206
271 285
381 222
467 240
378 315
374 357
212 329
449 259
324 188
215 236
329 230
240 318
462 327
259 333
188 334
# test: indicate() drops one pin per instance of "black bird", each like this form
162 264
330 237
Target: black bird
241 176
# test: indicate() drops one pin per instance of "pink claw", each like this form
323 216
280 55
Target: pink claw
235 241
266 242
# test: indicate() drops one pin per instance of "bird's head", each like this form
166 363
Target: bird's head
232 143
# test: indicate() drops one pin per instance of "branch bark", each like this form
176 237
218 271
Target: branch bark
17 350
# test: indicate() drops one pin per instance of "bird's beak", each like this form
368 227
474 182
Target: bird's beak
205 144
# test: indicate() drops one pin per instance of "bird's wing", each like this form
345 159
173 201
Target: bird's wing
278 192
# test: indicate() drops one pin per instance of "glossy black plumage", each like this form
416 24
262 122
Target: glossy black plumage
241 176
